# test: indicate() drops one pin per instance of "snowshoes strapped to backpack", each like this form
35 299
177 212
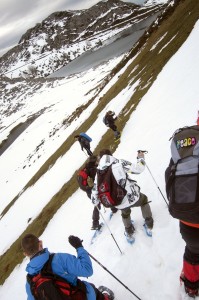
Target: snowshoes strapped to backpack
182 184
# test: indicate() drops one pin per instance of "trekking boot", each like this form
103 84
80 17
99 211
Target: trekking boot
107 293
129 234
117 135
148 225
190 292
114 210
130 230
149 222
96 227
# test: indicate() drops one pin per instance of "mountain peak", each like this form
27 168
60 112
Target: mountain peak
65 35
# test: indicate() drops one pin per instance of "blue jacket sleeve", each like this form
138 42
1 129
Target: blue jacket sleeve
28 291
69 266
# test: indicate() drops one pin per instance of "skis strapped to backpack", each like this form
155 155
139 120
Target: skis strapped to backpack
110 193
48 286
183 181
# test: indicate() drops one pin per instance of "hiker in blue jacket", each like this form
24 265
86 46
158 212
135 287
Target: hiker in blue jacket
65 265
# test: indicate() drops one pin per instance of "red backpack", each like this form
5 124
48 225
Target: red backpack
110 193
48 286
84 176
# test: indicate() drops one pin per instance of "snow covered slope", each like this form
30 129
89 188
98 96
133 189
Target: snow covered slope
151 267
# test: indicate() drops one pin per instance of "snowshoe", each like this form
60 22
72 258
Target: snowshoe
130 238
97 232
98 227
108 294
147 230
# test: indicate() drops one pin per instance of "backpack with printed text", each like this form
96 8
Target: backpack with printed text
48 286
110 193
182 184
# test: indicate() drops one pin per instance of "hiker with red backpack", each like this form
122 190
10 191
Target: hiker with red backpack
182 188
84 141
55 276
114 187
85 179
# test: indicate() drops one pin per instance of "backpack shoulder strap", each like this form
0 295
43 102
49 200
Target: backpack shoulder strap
47 268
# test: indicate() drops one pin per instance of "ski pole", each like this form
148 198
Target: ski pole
109 230
144 151
157 185
113 275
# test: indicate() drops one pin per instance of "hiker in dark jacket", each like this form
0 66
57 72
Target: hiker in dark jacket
90 169
109 120
190 234
84 143
65 265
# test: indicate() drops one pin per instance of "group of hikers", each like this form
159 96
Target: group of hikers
107 182
109 120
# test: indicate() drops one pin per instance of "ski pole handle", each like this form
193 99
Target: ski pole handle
143 151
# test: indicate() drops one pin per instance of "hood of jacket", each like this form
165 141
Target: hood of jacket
36 263
106 161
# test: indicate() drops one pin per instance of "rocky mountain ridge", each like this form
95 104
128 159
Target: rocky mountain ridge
63 36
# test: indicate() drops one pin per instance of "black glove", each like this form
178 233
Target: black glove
75 241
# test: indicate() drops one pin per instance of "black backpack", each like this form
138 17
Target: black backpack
48 286
110 193
182 176
105 121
